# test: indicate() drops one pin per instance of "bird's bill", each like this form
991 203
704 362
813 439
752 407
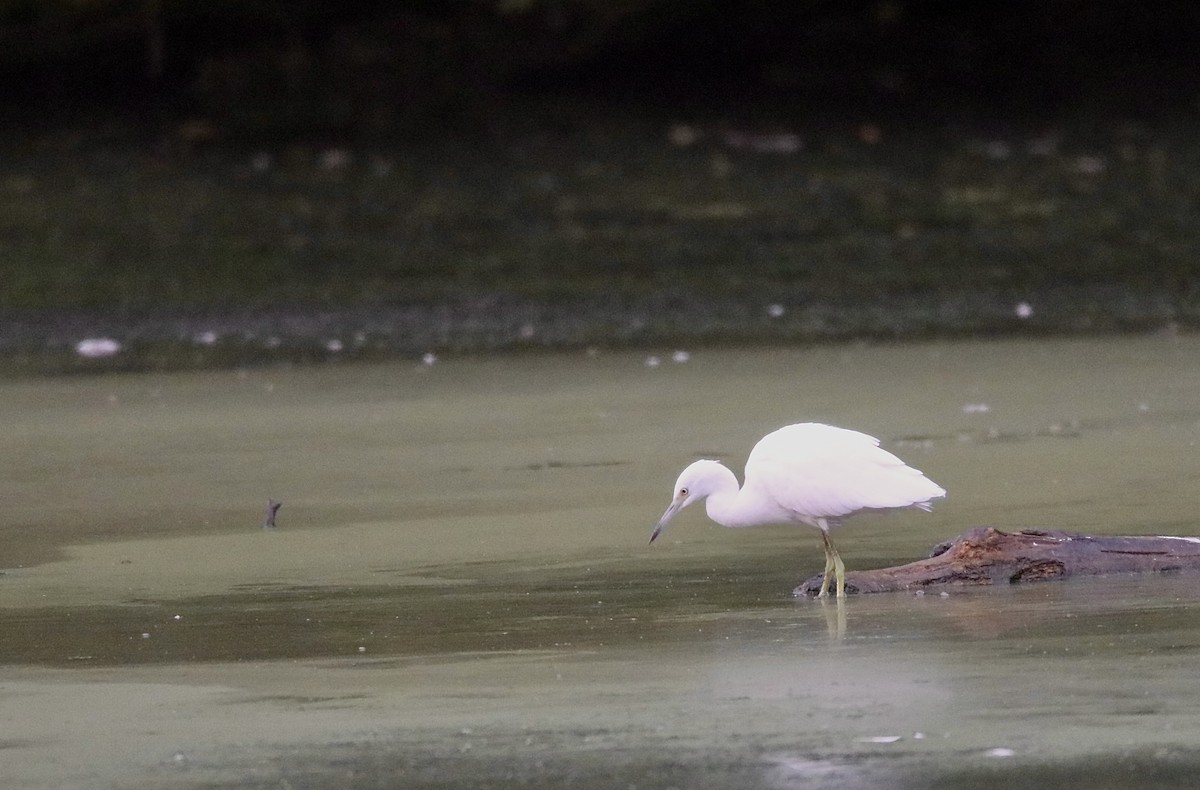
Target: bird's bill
666 516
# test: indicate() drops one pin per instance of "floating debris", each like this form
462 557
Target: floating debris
870 134
653 361
999 751
428 358
776 310
680 356
976 408
97 347
333 345
880 739
1023 310
381 167
335 159
997 149
683 135
1047 145
261 162
804 768
205 338
269 516
782 143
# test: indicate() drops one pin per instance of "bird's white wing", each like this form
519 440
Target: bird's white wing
818 471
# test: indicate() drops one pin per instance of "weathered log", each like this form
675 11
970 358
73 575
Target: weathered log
984 555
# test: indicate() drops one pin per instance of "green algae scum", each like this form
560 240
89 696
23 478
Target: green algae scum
458 592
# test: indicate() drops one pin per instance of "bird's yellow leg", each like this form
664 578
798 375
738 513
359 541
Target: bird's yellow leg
829 564
833 562
839 569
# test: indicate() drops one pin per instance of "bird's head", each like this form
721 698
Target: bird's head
695 483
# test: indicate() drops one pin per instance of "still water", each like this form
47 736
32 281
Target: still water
460 591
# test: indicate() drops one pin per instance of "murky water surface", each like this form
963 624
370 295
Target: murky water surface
459 592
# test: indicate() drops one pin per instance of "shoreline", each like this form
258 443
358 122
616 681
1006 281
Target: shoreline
35 343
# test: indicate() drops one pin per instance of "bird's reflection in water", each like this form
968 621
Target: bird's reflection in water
835 616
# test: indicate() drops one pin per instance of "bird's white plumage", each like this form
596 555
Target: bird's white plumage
809 473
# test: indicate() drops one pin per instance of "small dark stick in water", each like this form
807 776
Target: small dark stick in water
272 509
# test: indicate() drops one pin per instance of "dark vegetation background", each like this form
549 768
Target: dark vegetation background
370 178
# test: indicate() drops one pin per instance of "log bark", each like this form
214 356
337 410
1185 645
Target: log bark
988 556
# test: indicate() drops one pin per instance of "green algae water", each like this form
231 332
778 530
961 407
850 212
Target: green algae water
460 593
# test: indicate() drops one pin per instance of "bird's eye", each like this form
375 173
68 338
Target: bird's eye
683 492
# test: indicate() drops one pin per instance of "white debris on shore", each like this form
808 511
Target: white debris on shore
97 347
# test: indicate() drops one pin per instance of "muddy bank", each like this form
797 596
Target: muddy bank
51 342
557 225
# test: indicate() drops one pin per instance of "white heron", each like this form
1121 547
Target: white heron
808 473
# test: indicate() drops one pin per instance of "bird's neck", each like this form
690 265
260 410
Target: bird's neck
725 505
